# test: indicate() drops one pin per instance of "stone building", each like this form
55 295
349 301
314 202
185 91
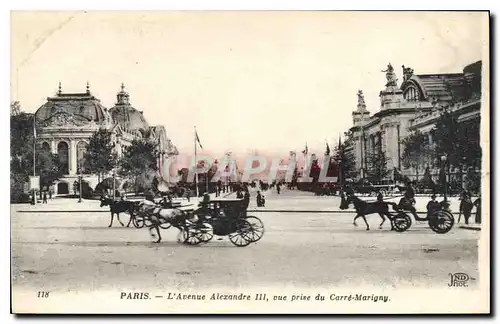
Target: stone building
414 105
67 121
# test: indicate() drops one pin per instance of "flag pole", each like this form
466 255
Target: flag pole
195 165
341 162
34 147
34 156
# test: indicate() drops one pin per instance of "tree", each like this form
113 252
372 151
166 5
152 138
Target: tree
139 163
459 142
377 166
47 167
416 152
100 157
345 158
448 139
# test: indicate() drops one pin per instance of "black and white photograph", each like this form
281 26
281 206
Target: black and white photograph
250 162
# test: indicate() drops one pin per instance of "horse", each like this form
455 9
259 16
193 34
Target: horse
117 207
364 208
158 216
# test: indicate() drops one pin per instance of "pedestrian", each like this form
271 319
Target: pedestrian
466 205
246 200
239 194
44 200
218 190
260 200
278 188
50 194
477 203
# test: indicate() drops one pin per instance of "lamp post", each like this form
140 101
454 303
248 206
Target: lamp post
114 186
80 185
443 165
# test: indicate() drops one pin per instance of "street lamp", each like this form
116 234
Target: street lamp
80 185
443 165
114 188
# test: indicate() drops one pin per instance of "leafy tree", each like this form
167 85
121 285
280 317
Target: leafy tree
100 157
459 142
346 158
48 166
377 166
416 152
448 139
139 163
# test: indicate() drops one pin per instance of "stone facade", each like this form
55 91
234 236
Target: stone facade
67 121
414 105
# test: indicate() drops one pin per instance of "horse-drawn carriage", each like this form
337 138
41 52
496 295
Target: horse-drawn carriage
224 217
221 217
440 221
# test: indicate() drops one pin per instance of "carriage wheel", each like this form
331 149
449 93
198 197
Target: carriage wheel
138 221
240 237
257 228
401 222
441 221
205 232
191 235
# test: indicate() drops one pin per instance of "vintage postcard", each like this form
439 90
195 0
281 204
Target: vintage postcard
217 162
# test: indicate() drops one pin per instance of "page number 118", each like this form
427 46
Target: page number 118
43 294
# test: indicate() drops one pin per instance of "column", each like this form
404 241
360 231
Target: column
72 158
53 147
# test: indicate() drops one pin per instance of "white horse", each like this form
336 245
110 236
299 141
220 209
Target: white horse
164 216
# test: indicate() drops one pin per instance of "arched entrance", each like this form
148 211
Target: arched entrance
81 149
63 153
62 188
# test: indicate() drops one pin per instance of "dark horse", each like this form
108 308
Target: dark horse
117 207
364 208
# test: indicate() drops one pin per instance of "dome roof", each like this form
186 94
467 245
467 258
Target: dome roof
71 108
127 116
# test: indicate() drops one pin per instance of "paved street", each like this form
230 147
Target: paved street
67 251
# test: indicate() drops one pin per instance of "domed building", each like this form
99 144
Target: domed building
67 121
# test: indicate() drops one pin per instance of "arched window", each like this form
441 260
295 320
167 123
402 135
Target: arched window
63 153
45 147
81 149
411 94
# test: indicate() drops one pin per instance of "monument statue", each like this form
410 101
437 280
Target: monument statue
361 98
390 76
407 72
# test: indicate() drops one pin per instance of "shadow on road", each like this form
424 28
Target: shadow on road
139 244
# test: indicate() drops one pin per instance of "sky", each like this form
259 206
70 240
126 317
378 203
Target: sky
250 81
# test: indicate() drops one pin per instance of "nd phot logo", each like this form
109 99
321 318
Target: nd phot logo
458 279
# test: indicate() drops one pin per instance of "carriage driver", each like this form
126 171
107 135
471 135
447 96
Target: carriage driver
203 209
408 200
